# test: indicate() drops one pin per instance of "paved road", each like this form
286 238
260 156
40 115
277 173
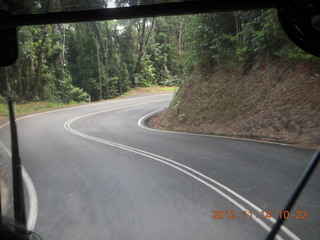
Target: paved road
98 174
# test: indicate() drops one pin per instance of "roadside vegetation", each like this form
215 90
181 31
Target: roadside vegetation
32 107
40 106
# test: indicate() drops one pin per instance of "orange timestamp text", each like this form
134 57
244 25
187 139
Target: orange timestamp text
263 214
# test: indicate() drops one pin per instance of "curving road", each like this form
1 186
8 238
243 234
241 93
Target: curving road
99 173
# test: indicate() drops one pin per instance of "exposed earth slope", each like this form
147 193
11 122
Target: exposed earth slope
272 101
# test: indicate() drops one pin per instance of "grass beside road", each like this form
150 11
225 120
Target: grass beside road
169 89
34 107
146 90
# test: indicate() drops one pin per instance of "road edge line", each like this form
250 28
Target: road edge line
32 194
142 120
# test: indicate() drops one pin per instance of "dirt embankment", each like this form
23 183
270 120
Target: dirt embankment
276 102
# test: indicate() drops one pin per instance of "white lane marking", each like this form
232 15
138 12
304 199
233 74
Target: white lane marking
83 106
265 226
117 108
32 194
252 205
31 191
33 200
4 196
176 165
142 125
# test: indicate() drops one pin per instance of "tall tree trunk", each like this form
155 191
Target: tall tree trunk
143 43
238 26
99 69
37 77
30 76
35 86
180 39
19 77
99 44
63 49
150 32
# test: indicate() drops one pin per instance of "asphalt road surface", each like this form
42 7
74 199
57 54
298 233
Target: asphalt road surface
96 172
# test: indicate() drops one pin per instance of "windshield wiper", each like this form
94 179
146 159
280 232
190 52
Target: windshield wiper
300 185
18 191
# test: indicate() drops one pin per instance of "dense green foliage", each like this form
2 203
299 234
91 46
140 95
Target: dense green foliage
99 60
72 61
237 38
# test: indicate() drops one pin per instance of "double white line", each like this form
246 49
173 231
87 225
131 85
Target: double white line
221 189
31 191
